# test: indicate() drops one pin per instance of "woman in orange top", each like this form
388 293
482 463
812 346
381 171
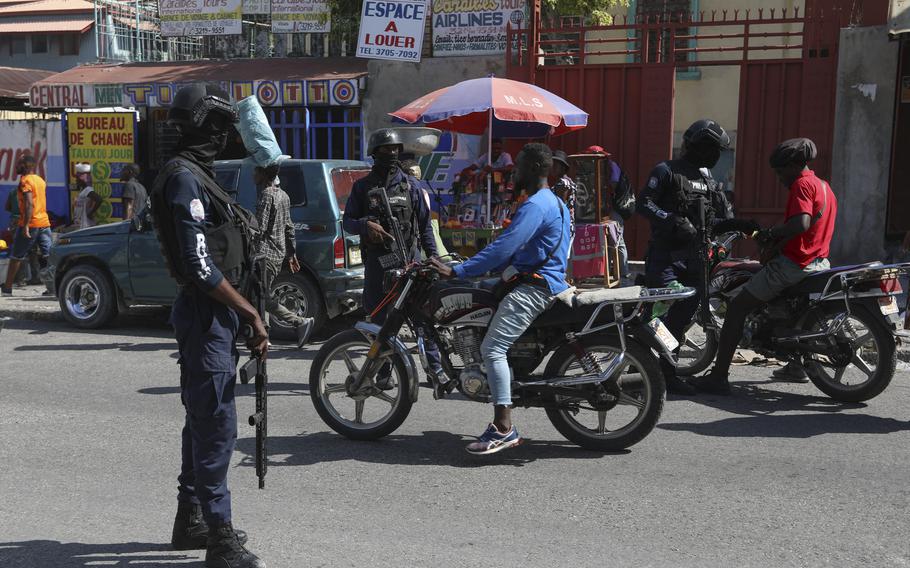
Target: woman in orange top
34 224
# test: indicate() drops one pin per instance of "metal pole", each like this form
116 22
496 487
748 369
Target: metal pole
490 174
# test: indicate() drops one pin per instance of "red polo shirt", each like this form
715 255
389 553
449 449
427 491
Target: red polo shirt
813 196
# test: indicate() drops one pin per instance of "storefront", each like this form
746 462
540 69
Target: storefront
313 104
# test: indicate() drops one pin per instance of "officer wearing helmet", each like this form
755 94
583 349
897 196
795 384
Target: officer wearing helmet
205 239
676 192
363 216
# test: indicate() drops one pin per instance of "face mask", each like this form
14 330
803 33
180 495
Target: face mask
385 161
703 156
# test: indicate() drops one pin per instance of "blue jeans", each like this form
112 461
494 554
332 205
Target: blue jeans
23 244
515 314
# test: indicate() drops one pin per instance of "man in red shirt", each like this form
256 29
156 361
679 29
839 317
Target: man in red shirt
806 237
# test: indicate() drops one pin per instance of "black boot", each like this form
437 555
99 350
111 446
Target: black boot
191 531
713 383
225 550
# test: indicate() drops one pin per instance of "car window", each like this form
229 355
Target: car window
343 180
293 183
227 179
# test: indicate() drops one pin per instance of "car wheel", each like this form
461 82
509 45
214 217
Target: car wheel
87 297
299 294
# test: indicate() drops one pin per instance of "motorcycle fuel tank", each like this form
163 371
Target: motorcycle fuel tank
462 305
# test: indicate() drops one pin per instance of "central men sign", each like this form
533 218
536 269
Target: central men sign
392 30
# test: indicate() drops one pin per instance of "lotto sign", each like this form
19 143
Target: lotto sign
392 30
300 16
105 141
343 92
200 17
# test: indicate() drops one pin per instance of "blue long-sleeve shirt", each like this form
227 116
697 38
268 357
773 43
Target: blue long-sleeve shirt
356 211
536 230
190 207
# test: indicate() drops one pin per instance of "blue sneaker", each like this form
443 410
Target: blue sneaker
492 441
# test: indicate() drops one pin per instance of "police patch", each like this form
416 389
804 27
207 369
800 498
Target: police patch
652 183
197 211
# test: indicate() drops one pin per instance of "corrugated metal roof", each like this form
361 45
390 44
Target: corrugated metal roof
45 25
47 7
15 82
309 68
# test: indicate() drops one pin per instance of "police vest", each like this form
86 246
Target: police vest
399 195
230 238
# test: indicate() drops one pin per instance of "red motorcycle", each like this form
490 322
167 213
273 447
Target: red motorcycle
840 324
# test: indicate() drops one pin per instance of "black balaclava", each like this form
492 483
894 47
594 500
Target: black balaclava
702 155
384 162
202 147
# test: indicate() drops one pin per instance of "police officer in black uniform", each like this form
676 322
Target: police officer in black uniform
363 216
205 239
670 201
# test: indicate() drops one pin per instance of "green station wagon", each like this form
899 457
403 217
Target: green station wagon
101 270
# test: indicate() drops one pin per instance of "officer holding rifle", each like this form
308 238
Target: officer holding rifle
382 238
206 240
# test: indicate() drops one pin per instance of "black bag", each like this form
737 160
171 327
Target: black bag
623 199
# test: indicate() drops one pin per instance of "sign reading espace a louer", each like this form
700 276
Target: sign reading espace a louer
392 29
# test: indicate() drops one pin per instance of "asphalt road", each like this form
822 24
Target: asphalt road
777 475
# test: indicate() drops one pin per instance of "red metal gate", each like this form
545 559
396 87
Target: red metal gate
623 75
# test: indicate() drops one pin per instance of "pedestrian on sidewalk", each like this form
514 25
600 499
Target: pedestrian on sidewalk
134 193
34 224
88 201
278 244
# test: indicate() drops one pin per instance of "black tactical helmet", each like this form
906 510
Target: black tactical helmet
384 137
707 130
199 106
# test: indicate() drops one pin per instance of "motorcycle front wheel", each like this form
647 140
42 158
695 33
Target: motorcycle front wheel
871 350
625 416
363 416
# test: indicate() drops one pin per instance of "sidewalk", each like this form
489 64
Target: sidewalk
27 303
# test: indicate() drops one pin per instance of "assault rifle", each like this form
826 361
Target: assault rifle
256 368
398 257
704 245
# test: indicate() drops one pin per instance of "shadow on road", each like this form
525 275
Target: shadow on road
275 389
51 553
432 448
761 415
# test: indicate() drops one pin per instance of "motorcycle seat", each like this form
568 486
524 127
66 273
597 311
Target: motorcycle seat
815 283
584 303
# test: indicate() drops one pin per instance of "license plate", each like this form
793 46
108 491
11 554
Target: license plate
888 305
663 334
354 256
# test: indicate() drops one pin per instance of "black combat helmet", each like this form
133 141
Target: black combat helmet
384 137
202 106
707 130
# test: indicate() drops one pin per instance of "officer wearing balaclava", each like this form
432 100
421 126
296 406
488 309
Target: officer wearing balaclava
670 202
205 244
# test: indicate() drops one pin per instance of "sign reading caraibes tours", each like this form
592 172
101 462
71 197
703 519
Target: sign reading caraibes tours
106 141
301 16
200 17
392 30
474 27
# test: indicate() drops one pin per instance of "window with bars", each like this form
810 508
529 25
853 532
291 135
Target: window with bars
658 40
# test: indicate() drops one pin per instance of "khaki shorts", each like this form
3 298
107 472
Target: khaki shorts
779 274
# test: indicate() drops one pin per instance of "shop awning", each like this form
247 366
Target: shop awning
15 81
304 81
45 25
46 7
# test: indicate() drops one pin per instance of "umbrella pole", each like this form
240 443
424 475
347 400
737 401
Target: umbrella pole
490 174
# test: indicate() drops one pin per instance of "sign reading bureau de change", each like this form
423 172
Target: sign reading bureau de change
200 17
392 30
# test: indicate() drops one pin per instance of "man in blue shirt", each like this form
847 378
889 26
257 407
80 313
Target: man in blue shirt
536 244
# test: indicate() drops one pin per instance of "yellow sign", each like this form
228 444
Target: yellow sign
107 142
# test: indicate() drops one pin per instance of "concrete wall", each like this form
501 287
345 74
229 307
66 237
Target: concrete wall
863 121
52 60
393 84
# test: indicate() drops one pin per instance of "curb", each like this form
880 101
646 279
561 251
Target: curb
31 315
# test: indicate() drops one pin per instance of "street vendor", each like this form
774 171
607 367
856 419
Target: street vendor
501 162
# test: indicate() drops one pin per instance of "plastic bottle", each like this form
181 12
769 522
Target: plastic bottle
661 308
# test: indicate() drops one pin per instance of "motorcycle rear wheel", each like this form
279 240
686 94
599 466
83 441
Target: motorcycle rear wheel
340 357
872 344
699 348
642 390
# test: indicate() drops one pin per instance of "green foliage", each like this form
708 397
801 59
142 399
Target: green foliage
598 12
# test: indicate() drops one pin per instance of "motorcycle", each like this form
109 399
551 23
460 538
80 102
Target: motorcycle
840 324
602 387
